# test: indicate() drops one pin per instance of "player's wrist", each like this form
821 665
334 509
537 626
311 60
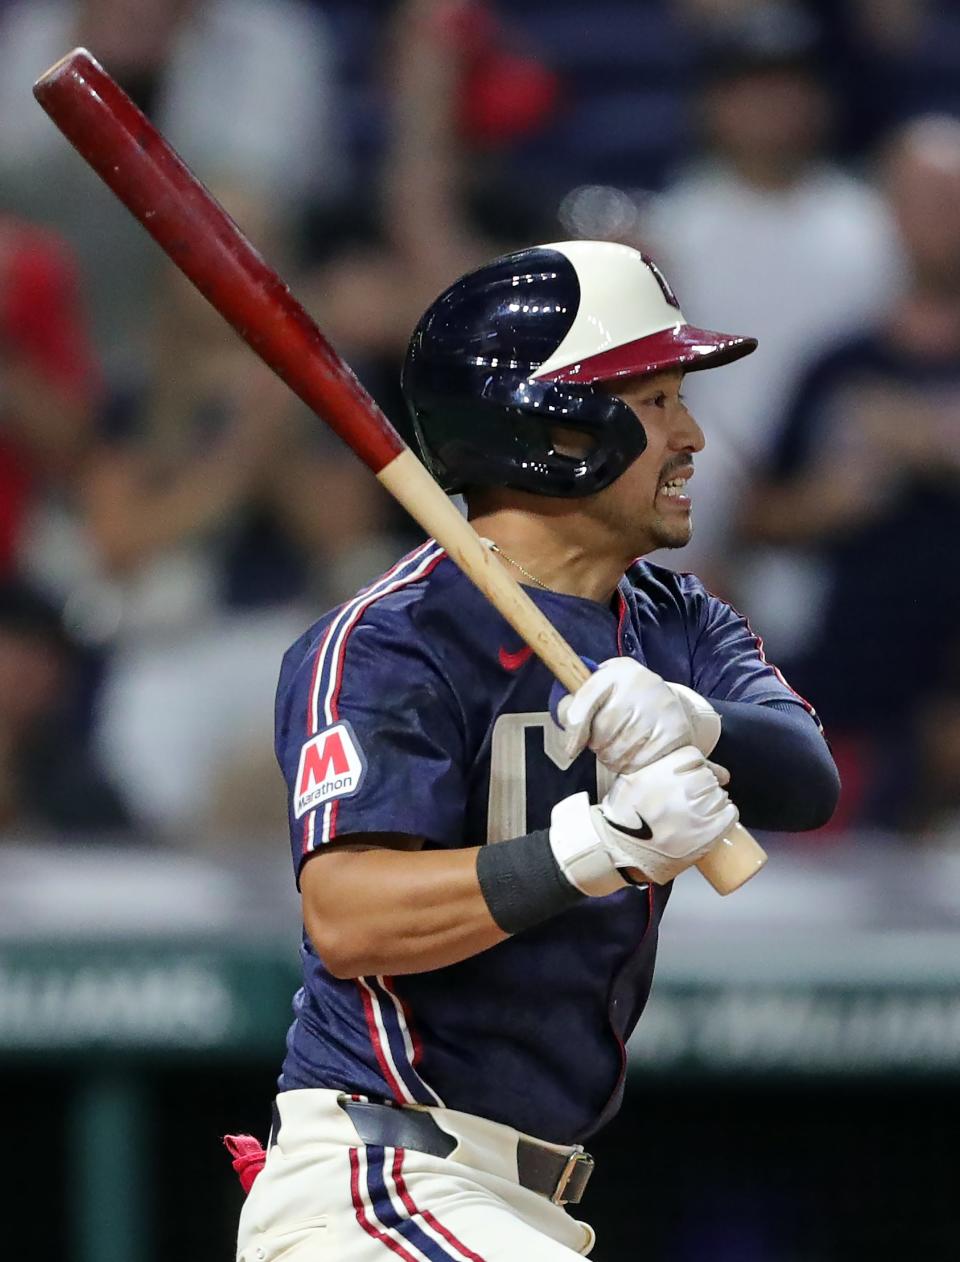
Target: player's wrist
522 883
579 849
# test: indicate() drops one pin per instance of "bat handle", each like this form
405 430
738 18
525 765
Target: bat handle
736 857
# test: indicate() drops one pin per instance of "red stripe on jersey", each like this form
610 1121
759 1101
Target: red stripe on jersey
621 620
342 652
318 656
621 1045
333 630
389 987
342 656
312 722
758 641
394 1085
776 669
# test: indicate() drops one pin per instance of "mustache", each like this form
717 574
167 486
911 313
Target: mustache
674 466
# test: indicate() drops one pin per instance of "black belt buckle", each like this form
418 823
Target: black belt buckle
577 1171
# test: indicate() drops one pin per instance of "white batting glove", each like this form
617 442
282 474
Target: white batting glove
630 717
702 717
660 820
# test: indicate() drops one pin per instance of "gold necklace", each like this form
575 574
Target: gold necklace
495 547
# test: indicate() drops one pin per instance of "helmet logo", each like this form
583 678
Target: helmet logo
661 280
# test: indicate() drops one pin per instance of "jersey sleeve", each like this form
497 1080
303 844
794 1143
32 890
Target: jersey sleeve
728 662
369 738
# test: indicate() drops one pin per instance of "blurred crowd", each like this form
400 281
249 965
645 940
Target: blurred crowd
170 517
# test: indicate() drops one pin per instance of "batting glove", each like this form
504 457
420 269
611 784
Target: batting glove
630 717
702 717
660 820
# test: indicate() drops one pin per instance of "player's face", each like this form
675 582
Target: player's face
651 502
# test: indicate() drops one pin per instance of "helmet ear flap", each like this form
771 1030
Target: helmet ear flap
501 432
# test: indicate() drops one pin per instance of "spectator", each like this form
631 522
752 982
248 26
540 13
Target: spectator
765 231
48 778
241 87
211 510
904 58
48 379
458 99
865 477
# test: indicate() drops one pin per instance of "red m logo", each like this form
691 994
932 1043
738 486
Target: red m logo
321 758
331 766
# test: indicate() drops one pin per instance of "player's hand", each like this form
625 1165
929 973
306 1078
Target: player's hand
703 719
630 717
656 821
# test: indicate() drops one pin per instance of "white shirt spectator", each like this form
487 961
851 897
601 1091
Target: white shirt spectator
796 268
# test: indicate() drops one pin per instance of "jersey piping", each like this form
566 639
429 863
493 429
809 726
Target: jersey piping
394 1041
328 666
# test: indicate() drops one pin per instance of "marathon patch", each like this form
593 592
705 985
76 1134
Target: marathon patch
332 765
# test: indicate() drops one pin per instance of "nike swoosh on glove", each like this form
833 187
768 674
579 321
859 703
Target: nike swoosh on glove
659 820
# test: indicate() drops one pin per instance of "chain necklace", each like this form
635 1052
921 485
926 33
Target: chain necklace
495 547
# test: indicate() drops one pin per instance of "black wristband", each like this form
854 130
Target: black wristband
522 883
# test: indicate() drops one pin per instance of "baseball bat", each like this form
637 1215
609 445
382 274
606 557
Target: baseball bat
190 226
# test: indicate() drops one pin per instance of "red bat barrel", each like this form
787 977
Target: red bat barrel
183 217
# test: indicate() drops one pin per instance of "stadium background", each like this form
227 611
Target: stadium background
169 519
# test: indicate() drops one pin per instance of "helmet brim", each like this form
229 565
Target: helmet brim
682 346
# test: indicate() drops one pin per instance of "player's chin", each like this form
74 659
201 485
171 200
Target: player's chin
675 533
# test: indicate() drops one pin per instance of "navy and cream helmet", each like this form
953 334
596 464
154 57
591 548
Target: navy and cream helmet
518 348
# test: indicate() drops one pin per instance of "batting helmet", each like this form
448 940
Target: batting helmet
519 347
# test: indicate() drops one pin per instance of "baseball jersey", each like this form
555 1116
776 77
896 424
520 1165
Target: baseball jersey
414 708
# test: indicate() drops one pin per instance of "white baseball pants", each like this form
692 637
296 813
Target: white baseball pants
325 1196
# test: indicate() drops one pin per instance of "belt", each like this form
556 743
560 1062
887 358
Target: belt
561 1176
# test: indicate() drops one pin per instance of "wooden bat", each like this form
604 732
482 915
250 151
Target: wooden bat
141 168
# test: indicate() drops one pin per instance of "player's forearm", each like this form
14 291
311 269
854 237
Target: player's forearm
375 912
371 909
782 775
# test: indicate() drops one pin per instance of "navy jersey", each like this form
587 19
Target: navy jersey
415 709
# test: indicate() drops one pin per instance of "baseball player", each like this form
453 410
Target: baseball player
484 866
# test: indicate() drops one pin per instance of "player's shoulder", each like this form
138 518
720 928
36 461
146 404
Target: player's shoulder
371 650
677 600
386 604
666 588
399 620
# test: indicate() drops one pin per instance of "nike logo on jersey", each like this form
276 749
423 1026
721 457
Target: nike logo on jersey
513 661
641 834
